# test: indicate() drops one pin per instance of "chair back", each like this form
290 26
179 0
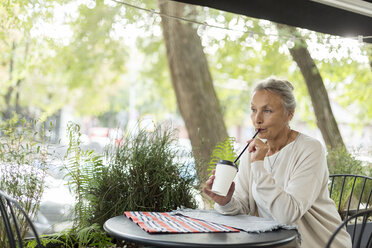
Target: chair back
351 193
11 213
363 234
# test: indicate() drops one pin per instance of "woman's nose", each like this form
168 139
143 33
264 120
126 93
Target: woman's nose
258 118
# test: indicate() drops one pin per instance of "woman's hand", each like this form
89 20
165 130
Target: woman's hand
221 200
258 149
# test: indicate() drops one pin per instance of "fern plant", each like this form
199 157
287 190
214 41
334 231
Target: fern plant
224 150
83 167
90 236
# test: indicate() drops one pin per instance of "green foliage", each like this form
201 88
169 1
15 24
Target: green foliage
46 70
18 49
350 83
348 195
89 63
238 60
340 161
82 167
93 236
90 236
23 163
87 67
157 92
224 150
143 173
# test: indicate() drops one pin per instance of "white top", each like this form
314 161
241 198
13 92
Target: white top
294 192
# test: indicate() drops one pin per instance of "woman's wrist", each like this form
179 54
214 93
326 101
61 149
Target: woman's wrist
225 204
257 159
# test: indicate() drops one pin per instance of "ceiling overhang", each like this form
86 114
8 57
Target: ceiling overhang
346 18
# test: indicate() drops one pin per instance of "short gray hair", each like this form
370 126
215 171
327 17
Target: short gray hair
283 88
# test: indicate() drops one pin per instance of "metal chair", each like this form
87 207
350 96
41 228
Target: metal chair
11 212
353 190
363 233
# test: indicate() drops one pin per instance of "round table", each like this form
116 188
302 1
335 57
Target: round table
123 228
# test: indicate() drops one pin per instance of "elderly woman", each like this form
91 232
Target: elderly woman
284 176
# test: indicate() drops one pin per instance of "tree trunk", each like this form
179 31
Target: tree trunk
19 82
17 106
318 93
193 85
7 114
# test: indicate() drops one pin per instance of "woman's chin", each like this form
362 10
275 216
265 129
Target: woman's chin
262 135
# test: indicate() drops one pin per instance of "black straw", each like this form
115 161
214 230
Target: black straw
254 136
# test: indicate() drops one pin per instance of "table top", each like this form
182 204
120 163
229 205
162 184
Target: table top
121 228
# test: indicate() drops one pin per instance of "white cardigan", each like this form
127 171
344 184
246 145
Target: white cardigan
295 192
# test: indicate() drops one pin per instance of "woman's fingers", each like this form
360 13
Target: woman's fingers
210 180
249 142
221 200
208 185
258 149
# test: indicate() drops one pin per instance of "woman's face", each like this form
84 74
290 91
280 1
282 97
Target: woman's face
269 114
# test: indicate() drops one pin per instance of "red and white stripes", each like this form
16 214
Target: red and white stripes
164 222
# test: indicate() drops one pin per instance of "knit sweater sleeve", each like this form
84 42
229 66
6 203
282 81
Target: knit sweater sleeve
287 205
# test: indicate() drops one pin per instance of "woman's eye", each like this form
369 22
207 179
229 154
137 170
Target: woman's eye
267 111
253 110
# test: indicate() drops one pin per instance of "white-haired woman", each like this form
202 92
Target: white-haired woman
285 177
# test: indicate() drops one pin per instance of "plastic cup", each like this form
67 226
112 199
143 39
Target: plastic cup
224 176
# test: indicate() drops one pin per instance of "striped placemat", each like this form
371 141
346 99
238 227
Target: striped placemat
164 222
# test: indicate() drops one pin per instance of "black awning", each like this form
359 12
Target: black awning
301 13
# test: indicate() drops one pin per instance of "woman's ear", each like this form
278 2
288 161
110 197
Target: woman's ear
291 114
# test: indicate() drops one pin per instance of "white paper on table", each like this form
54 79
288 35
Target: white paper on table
243 222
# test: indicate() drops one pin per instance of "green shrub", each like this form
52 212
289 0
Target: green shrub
144 173
23 163
340 161
91 236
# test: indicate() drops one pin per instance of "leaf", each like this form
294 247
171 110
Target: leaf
223 150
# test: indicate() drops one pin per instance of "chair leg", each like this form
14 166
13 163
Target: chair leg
7 225
16 226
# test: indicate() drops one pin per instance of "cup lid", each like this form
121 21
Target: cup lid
227 162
